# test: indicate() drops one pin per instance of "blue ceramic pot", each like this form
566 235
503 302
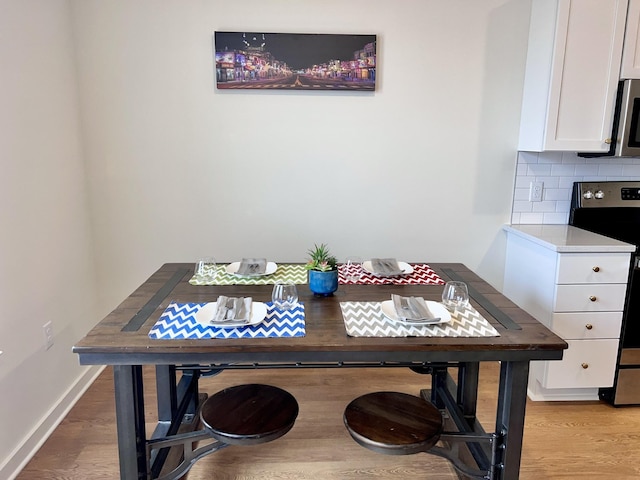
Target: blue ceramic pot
323 283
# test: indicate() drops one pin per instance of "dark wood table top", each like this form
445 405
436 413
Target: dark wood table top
122 337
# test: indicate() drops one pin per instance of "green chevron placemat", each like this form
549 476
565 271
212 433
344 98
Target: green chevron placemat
290 273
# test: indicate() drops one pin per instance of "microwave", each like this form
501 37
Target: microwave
625 135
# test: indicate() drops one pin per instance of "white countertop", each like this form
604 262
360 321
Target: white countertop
566 238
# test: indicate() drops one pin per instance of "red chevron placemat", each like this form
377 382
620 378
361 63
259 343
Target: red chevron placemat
422 274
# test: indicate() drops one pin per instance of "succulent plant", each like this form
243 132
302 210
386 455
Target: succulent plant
321 259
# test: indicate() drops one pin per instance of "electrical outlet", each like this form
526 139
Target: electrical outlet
47 328
535 191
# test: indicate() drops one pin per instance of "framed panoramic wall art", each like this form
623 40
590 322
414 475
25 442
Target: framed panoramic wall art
295 61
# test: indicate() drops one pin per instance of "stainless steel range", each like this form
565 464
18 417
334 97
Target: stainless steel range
613 209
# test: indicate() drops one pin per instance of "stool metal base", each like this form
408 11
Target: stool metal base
394 423
190 455
241 415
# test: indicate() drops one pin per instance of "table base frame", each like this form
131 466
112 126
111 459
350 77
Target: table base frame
473 452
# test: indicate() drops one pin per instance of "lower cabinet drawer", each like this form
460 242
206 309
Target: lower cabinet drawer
590 298
593 267
585 364
589 325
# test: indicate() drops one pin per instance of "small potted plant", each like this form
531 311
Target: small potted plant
323 271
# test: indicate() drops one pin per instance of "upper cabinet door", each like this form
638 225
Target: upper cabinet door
573 65
631 50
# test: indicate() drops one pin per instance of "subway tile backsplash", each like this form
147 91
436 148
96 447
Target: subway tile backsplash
558 171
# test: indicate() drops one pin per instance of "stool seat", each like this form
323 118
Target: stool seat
249 414
393 423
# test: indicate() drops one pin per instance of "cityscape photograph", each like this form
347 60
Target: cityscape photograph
295 61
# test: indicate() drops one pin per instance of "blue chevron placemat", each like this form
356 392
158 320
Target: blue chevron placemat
365 319
178 322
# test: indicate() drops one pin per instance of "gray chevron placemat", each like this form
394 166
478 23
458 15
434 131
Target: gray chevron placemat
288 273
365 319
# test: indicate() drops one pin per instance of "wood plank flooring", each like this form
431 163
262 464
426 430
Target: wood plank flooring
563 440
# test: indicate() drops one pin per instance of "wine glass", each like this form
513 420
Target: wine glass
353 269
455 295
205 268
284 295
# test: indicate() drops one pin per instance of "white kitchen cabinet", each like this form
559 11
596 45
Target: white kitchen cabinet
572 73
574 282
631 50
584 366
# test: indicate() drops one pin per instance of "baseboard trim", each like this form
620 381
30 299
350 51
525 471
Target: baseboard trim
540 394
39 434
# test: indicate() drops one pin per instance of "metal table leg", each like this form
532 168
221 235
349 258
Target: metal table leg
129 400
467 394
177 406
167 399
466 445
166 392
512 401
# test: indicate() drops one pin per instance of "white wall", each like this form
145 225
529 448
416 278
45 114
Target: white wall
422 169
46 263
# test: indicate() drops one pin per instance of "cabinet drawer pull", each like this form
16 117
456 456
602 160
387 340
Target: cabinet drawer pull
585 365
588 326
593 298
596 269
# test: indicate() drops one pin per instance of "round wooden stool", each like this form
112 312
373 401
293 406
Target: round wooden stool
393 423
249 414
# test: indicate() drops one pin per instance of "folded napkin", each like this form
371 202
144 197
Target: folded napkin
413 309
386 266
252 266
232 309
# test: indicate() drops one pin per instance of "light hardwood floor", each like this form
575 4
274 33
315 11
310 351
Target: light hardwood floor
567 440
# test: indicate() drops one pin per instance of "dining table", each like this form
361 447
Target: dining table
155 326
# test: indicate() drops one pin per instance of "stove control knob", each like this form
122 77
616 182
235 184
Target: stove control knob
599 194
588 195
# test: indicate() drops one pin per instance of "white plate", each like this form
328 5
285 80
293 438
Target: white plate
404 266
207 312
436 308
233 267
